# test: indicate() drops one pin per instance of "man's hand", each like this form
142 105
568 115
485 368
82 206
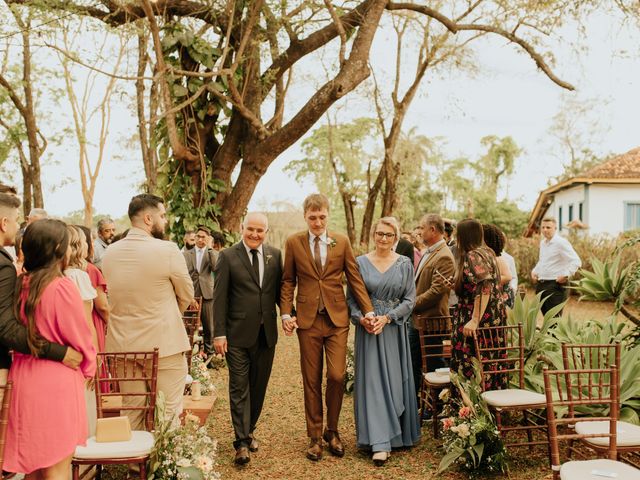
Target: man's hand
562 279
289 325
534 277
367 324
220 345
72 358
194 305
379 323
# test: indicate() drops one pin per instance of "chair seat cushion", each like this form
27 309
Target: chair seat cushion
140 445
513 397
188 380
581 470
628 434
437 378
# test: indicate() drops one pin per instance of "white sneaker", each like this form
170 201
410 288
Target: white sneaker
379 458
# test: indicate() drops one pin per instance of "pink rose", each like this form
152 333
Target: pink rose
464 412
447 423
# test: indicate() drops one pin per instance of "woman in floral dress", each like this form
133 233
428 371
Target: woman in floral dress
480 300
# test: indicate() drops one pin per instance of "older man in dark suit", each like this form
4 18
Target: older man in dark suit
247 289
200 262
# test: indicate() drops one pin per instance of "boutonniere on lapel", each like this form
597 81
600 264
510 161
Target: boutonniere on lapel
331 242
266 259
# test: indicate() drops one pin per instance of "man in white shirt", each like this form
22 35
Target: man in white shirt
106 232
558 261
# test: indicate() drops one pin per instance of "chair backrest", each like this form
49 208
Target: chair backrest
4 418
194 310
580 387
580 356
123 367
500 351
432 340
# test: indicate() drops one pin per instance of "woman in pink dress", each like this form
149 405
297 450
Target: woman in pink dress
48 414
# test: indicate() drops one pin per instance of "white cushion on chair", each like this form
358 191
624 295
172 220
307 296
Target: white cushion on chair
513 397
628 434
437 378
581 470
188 380
140 444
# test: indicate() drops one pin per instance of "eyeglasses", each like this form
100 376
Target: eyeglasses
389 235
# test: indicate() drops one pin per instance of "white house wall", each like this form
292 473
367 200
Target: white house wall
571 196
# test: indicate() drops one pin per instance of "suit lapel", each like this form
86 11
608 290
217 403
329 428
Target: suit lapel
304 239
192 258
244 258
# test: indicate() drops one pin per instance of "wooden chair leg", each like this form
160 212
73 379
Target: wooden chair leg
529 432
75 471
143 470
98 472
434 412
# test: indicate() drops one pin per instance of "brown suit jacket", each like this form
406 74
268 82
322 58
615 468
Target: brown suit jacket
149 289
300 270
432 292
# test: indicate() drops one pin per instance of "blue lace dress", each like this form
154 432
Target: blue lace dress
386 410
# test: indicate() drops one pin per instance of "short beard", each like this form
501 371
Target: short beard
188 246
156 232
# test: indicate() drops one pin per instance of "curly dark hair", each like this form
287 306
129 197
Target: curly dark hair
493 238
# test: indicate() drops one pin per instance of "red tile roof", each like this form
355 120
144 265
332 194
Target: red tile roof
626 165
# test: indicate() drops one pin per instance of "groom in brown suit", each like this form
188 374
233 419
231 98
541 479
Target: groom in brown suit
434 278
315 261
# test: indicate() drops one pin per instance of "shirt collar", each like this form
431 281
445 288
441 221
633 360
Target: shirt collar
248 249
323 237
435 246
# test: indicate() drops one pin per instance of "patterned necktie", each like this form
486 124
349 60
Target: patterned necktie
256 265
318 259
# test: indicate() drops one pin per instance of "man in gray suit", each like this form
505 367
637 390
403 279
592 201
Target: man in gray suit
248 277
200 262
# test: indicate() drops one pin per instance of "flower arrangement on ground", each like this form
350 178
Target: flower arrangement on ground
470 435
349 375
183 453
201 373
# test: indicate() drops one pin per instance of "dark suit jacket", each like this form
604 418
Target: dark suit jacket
432 291
13 334
203 278
300 271
405 247
240 304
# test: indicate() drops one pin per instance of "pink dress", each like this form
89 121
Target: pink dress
48 417
97 280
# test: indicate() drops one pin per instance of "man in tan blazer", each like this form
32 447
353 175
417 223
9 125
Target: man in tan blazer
316 261
434 279
149 289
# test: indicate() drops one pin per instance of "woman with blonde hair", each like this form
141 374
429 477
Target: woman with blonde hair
48 413
386 410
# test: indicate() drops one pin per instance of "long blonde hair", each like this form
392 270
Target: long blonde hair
76 259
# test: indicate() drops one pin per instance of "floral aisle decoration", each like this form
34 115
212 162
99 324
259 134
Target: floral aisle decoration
183 453
201 373
470 435
350 372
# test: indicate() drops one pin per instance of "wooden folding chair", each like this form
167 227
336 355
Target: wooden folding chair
125 369
571 390
500 351
4 419
191 319
432 346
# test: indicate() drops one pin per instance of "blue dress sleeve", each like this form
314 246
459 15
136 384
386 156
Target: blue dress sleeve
402 311
355 313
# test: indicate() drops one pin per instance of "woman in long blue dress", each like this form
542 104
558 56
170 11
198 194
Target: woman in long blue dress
386 410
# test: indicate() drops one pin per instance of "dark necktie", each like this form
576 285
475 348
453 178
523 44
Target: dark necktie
256 265
318 259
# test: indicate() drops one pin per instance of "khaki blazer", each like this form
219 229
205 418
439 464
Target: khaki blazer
300 270
432 291
149 289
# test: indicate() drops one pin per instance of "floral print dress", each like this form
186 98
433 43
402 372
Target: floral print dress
480 276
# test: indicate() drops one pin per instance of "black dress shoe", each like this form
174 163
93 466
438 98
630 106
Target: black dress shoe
335 444
242 456
254 445
314 452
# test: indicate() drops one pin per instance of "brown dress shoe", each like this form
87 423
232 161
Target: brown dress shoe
335 444
314 452
242 456
254 445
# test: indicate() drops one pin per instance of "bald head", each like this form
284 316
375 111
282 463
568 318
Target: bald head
256 217
254 229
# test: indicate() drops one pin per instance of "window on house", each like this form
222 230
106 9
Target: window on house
580 212
571 212
631 215
559 218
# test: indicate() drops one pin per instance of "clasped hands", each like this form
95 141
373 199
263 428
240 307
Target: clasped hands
374 324
289 325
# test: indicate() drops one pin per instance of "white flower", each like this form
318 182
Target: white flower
444 395
462 430
184 463
204 464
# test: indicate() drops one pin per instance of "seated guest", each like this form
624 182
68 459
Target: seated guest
385 402
48 414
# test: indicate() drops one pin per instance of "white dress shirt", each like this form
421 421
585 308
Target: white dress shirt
260 259
557 259
511 263
199 255
323 246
